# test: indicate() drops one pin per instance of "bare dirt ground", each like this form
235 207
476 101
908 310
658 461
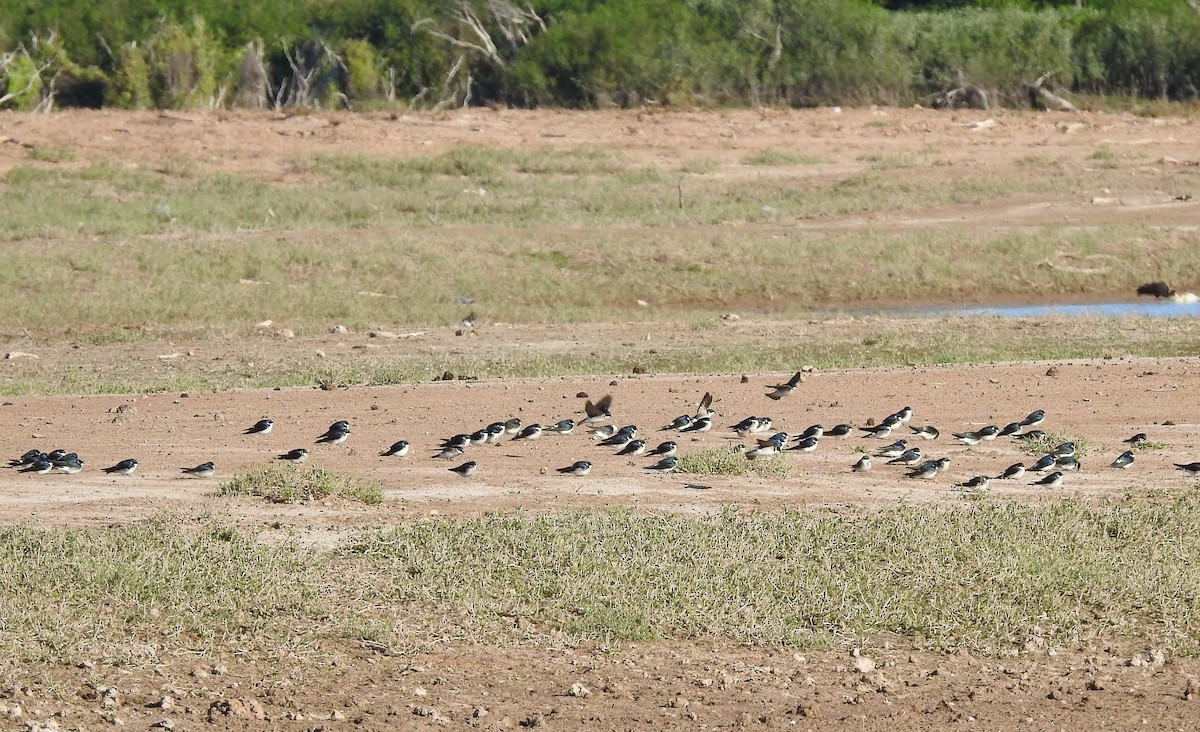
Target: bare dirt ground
645 686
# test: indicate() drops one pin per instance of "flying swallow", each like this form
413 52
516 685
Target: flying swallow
1064 450
203 470
911 456
125 467
779 391
664 449
705 408
892 450
532 432
1011 429
39 466
1192 468
926 470
562 427
295 457
1124 460
1034 418
682 420
928 432
666 465
1012 472
978 484
599 411
449 453
69 464
336 434
1137 440
398 449
1054 480
579 467
703 424
862 466
261 427
466 470
840 431
633 447
1068 463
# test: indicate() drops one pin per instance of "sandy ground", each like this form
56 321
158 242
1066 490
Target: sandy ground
645 686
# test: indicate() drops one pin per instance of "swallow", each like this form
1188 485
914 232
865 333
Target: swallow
1192 468
892 450
466 470
336 434
449 453
840 431
766 448
978 484
261 427
879 432
56 454
1030 436
69 464
666 465
664 449
479 437
460 441
532 432
1137 440
928 432
704 424
39 466
911 456
904 415
494 431
633 447
622 437
779 439
1034 418
1068 463
1012 472
562 427
599 411
579 467
779 391
203 470
1066 449
1012 429
1123 461
862 466
705 407
682 420
968 438
295 457
125 467
752 426
604 432
813 430
926 470
808 444
398 449
1054 480
942 464
1044 463
469 321
27 459
512 425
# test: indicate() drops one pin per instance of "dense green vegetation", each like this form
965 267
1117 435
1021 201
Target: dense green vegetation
584 53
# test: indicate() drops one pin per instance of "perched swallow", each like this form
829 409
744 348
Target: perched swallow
779 439
1012 472
942 464
752 426
974 438
1034 418
1124 460
449 453
1044 463
1030 436
666 465
862 466
562 427
808 444
892 450
459 441
814 430
295 457
1068 463
1054 480
879 432
1137 440
69 464
904 415
705 408
39 466
466 470
779 391
928 432
633 447
261 427
1012 429
599 411
766 448
27 459
494 431
978 484
622 437
664 449
840 431
604 432
911 456
1064 450
125 467
580 467
703 424
336 434
682 420
1192 468
203 470
926 470
532 432
56 454
512 425
398 449
479 437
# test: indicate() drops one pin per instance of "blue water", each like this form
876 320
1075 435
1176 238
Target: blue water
1146 308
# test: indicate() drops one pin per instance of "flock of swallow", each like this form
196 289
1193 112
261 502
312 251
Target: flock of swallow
626 443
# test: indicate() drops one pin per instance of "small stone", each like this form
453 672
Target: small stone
110 698
581 395
11 712
287 333
864 665
163 724
745 379
219 669
381 334
337 716
1192 689
340 329
1055 694
479 713
579 691
732 317
640 370
419 691
1052 371
1095 685
533 720
643 304
165 703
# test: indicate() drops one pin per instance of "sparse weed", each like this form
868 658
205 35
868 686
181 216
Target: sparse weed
287 484
732 461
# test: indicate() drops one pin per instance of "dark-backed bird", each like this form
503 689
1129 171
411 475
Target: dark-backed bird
599 411
203 470
261 427
779 391
125 467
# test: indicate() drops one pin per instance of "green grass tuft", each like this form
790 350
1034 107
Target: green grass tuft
730 461
287 484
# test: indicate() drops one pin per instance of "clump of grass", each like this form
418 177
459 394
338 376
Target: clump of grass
1152 445
1052 440
285 484
731 461
772 156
